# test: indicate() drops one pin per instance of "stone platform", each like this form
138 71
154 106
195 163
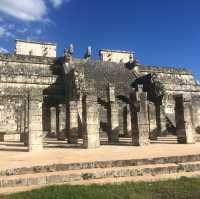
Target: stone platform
63 163
14 154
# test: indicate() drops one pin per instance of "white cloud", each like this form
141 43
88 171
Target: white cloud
38 31
27 10
22 30
9 34
5 33
58 3
2 31
11 26
3 50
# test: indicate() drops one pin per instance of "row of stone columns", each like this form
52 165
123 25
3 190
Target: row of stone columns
137 119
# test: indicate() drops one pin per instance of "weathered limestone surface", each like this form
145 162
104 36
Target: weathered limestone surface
61 135
153 131
35 131
161 120
184 126
53 129
73 124
128 121
139 113
91 138
196 113
113 135
113 116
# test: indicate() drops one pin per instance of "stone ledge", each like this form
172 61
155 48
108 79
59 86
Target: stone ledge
100 164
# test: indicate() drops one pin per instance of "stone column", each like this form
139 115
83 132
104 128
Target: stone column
161 120
113 116
163 128
35 138
73 123
23 122
153 130
80 117
139 117
61 135
26 128
53 121
91 137
128 119
184 126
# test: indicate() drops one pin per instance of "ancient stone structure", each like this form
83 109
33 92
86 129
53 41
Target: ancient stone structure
42 95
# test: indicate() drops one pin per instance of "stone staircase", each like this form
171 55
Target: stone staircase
169 139
102 171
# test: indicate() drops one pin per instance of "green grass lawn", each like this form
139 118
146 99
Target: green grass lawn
184 188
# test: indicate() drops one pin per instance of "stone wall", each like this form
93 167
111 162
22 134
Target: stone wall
115 56
35 48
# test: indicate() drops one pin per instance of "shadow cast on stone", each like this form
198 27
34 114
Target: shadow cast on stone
120 143
65 147
14 150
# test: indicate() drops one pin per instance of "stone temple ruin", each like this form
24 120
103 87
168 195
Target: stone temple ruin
70 99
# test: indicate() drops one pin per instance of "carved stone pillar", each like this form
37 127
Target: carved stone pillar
128 120
91 137
163 128
22 122
184 127
73 123
161 120
80 117
153 130
53 120
139 117
61 135
113 116
26 129
35 138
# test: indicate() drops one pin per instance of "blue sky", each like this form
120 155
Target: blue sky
161 32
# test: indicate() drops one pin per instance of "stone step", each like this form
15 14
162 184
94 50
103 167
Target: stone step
167 138
99 164
85 174
170 139
96 173
146 178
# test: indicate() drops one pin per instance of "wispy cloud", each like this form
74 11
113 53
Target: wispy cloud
22 30
2 31
26 18
5 33
27 10
3 50
58 3
38 31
